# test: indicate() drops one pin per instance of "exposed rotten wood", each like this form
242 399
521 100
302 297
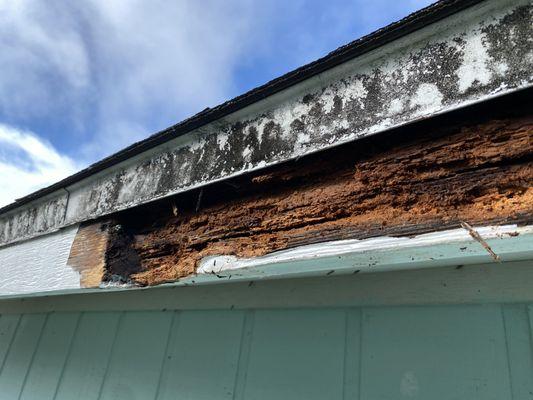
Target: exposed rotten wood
480 173
121 259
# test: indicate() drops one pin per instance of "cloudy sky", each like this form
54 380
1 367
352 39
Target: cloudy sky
81 79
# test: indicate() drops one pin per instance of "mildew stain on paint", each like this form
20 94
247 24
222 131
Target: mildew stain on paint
438 68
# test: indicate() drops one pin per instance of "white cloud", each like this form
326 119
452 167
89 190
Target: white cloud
119 69
93 76
107 73
28 163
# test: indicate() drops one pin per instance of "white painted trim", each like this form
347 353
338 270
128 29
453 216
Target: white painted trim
428 251
436 249
219 264
39 264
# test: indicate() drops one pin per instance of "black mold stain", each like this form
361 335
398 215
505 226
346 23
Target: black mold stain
506 42
42 217
121 259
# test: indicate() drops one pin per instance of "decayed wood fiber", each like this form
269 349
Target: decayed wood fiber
478 174
88 253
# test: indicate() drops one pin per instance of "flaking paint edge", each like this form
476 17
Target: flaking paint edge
510 242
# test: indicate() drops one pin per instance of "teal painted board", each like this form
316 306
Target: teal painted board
202 357
244 354
352 354
519 350
434 353
296 354
20 355
8 327
50 356
86 365
137 356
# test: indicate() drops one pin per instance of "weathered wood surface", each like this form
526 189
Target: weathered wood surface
87 254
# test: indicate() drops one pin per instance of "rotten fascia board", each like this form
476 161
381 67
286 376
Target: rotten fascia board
455 247
482 52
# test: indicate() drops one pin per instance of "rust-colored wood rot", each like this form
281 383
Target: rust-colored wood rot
481 173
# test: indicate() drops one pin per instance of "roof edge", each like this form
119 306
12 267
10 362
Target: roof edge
415 21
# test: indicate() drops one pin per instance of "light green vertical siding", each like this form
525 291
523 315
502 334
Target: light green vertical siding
435 353
202 355
20 355
365 353
49 356
301 350
85 368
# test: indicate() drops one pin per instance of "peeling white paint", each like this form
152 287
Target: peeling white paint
428 97
383 253
396 105
474 68
328 98
501 68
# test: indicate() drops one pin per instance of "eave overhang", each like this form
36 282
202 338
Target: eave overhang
448 56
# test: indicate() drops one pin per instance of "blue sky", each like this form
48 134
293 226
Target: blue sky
80 80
